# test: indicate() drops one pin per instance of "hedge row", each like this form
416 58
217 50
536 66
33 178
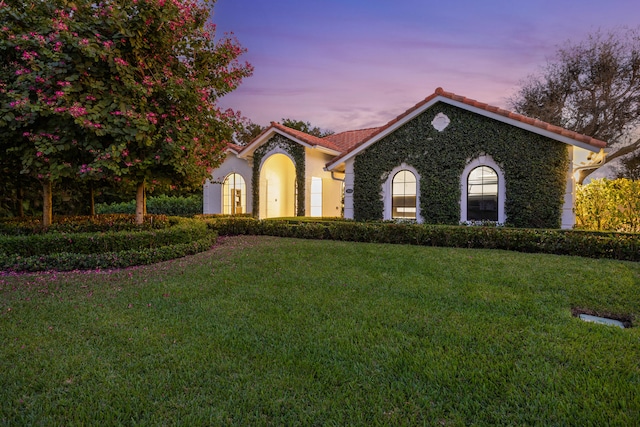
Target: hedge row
165 205
66 261
621 246
93 243
83 224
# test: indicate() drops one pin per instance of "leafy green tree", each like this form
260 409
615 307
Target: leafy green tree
630 167
605 204
118 89
306 127
591 87
247 131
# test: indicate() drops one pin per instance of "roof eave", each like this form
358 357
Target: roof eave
522 125
439 98
249 149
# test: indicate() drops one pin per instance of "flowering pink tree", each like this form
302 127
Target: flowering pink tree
119 89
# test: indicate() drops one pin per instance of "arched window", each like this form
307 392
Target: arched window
482 194
234 195
403 192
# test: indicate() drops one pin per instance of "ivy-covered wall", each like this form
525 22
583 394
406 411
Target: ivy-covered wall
296 151
534 167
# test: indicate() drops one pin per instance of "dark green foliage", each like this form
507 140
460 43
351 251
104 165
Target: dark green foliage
104 249
68 261
112 241
534 167
84 224
621 246
296 151
161 205
306 127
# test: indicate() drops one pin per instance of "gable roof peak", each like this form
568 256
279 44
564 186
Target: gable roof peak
497 113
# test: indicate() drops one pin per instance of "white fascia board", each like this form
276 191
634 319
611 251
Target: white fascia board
462 105
326 150
231 150
247 152
522 125
384 133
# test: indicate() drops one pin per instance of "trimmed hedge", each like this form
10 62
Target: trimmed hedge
621 246
93 243
110 249
66 261
159 205
83 224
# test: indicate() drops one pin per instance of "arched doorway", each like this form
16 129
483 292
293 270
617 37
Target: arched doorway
277 187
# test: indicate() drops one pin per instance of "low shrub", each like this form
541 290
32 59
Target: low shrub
606 204
83 224
621 246
66 261
90 243
112 249
158 205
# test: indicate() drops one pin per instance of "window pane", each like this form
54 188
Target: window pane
404 189
316 196
482 194
233 195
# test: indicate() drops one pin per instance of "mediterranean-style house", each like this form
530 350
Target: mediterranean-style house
446 160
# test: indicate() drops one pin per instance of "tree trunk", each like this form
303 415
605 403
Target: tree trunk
92 201
20 201
140 203
47 204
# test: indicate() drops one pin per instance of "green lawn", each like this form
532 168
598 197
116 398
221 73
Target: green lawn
269 331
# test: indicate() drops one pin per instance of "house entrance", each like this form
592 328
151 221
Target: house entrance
277 187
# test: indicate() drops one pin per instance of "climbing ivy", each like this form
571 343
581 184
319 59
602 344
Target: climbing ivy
296 151
534 167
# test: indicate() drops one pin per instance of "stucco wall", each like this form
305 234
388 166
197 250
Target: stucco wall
212 192
331 188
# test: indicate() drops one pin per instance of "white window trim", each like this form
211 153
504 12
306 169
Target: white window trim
244 196
387 193
484 160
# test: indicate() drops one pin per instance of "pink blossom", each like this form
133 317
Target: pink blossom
27 56
121 62
77 110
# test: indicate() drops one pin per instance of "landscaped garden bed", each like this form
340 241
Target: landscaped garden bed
622 246
105 241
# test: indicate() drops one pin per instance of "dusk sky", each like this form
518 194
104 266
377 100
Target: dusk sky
352 64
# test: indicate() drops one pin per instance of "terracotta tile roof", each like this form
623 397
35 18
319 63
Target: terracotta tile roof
305 137
235 147
439 92
349 141
346 140
519 117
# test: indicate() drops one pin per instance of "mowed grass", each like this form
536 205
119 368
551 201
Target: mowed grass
270 331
